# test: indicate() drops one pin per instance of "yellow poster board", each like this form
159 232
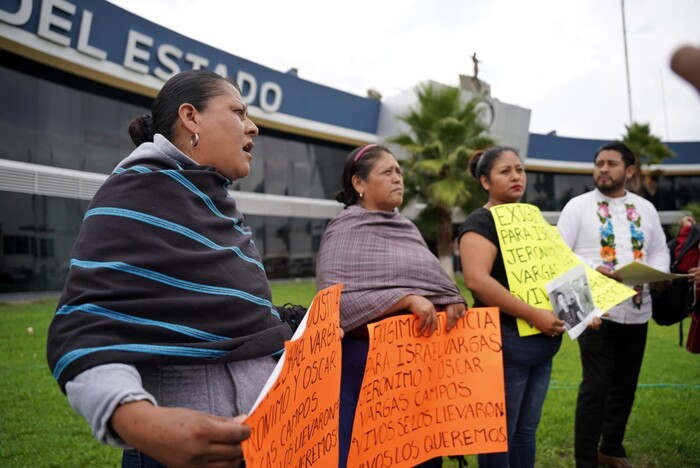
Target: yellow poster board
534 254
426 397
296 422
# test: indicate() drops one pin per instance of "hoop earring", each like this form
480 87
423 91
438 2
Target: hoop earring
194 139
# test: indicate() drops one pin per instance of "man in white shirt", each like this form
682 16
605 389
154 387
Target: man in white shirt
608 228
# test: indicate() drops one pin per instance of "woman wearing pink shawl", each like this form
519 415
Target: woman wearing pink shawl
386 268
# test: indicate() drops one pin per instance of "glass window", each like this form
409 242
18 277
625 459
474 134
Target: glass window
18 116
550 192
288 166
48 123
289 245
105 137
36 238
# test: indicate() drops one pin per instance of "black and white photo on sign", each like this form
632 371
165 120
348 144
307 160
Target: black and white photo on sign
566 306
582 295
572 300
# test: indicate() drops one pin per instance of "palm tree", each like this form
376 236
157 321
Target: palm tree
445 129
647 148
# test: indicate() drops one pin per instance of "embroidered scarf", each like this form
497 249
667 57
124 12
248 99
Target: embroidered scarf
608 250
163 272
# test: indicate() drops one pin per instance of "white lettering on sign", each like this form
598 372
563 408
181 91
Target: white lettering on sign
19 17
196 61
270 96
133 51
84 38
58 17
166 55
221 69
47 20
247 81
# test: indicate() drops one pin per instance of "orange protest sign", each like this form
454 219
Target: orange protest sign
426 397
296 422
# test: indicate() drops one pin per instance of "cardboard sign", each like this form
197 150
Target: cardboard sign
295 420
534 254
426 397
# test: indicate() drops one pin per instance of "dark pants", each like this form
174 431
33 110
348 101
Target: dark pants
136 459
352 372
611 359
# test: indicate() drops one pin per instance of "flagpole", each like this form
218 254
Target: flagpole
627 65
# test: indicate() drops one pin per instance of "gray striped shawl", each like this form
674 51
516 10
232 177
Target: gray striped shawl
380 258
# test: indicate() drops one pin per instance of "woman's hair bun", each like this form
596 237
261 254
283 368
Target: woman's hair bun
142 129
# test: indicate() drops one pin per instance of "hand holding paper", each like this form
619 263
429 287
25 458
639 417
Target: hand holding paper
573 300
640 273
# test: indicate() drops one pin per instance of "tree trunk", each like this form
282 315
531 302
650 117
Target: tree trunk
445 241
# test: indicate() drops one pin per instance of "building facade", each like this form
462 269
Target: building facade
560 168
75 73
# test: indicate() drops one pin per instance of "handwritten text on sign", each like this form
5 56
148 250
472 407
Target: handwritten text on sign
534 254
425 397
296 424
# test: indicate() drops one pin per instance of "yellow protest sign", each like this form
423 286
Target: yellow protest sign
534 253
607 293
296 423
426 397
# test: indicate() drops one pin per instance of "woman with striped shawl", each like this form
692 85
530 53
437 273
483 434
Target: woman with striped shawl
385 266
165 330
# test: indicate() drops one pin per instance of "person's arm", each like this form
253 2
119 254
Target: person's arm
454 312
180 436
695 274
568 224
658 255
420 306
427 314
112 398
478 256
96 392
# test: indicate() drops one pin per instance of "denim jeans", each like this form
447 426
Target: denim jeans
527 367
136 459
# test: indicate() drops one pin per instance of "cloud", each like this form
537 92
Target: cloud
563 60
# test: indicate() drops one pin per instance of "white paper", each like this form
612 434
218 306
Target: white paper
572 300
640 273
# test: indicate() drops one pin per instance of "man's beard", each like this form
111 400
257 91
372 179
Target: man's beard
612 186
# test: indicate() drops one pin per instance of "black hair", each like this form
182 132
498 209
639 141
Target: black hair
627 156
361 168
481 161
196 87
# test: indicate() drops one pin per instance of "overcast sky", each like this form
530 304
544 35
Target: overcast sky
562 59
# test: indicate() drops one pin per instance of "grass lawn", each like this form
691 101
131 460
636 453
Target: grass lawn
38 428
